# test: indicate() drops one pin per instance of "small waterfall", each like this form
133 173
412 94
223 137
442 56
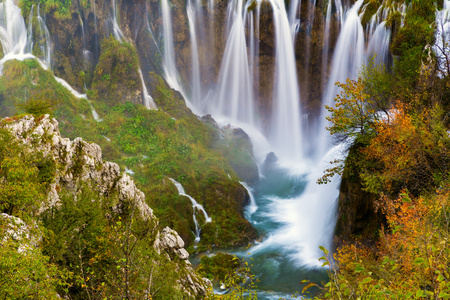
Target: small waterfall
40 37
115 22
286 133
196 95
443 37
44 34
252 207
148 100
234 97
347 60
326 33
170 69
294 16
195 206
13 32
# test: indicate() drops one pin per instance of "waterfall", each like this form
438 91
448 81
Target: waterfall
13 32
195 206
148 100
170 69
443 37
115 24
196 95
252 207
234 97
286 121
347 60
294 21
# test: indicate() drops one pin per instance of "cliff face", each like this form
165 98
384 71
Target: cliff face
77 43
79 167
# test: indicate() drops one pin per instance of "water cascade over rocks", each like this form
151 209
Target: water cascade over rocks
257 65
295 215
195 206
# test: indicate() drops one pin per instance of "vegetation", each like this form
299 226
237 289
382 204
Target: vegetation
396 124
153 144
60 8
116 77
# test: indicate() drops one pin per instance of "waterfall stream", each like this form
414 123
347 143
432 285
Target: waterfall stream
195 207
292 213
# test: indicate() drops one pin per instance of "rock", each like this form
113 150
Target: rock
15 228
271 158
80 163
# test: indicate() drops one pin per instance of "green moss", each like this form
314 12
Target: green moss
218 267
61 9
370 8
411 39
116 76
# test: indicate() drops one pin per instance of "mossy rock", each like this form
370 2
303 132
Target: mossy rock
116 76
218 267
235 145
169 100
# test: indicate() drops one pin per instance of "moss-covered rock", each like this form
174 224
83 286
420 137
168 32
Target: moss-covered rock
218 267
116 76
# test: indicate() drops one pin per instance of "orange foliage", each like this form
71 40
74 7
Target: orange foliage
412 149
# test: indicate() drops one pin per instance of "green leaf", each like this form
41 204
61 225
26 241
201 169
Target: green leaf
366 280
419 261
419 293
359 269
323 249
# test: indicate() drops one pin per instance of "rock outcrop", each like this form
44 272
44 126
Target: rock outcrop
80 163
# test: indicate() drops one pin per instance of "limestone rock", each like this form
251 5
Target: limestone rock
80 163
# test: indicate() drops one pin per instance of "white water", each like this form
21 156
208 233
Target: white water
195 206
170 69
286 121
316 205
443 38
148 100
234 97
196 93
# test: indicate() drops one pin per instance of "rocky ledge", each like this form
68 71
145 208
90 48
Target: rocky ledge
80 163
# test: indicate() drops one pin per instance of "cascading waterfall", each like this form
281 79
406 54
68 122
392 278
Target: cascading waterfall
148 100
196 94
234 97
195 206
294 214
170 69
13 33
443 36
286 121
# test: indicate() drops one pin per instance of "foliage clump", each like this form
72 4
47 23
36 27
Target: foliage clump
60 8
116 76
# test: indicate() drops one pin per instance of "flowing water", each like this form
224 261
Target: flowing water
196 207
292 213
